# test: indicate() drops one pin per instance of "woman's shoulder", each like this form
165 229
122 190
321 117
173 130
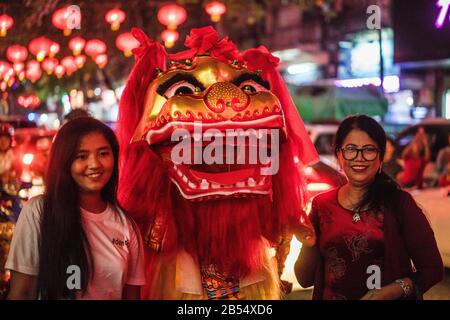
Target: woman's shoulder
128 222
35 203
404 205
401 197
118 210
33 208
123 216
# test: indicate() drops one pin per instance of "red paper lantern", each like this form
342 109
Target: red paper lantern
126 42
94 47
76 45
67 18
33 72
9 77
11 81
3 86
4 68
40 47
7 73
18 67
6 23
70 65
21 101
101 60
169 37
215 9
30 100
171 15
21 75
49 65
115 17
33 64
59 71
16 53
80 61
54 49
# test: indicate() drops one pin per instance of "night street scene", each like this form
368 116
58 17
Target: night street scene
259 150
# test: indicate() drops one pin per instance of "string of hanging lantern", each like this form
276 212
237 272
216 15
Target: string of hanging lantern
68 19
171 15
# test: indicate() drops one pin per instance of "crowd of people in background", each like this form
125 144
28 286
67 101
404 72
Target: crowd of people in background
414 169
443 165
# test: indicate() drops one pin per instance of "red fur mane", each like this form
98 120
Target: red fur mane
227 233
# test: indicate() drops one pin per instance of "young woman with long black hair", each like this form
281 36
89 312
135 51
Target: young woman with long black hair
369 230
75 242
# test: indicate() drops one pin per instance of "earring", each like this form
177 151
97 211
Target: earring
379 170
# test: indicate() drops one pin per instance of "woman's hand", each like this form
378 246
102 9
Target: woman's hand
305 234
392 291
384 293
302 228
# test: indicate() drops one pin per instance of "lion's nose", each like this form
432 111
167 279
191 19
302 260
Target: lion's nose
224 95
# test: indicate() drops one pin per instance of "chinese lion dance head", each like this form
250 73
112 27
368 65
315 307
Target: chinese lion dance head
210 105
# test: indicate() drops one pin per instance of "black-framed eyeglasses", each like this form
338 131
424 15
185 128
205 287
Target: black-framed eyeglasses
368 153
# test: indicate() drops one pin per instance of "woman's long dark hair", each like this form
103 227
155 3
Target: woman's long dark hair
383 190
63 240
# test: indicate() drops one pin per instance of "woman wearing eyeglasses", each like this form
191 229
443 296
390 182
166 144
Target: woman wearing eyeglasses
369 230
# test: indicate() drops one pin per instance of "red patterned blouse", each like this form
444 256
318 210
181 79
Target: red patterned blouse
394 240
349 244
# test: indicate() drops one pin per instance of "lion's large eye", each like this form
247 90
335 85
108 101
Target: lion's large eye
179 88
250 86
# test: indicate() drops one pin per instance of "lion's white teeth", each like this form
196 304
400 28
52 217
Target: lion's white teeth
204 184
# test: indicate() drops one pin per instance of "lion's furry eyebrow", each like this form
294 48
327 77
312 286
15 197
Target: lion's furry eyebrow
251 76
181 76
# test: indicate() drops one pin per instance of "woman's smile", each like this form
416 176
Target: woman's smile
94 175
359 168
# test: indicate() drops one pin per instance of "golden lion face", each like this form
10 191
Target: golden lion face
207 120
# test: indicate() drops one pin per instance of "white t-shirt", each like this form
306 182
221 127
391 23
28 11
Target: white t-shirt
116 249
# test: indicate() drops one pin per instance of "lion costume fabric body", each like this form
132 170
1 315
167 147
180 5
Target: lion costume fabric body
210 228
